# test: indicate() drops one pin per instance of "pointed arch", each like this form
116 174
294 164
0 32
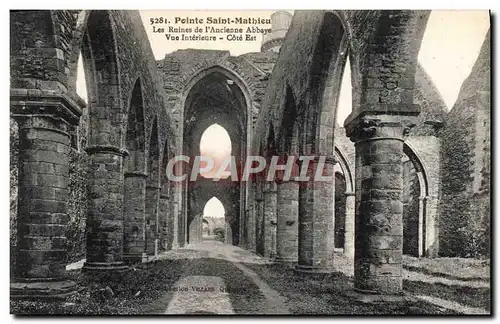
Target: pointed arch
288 126
327 69
345 166
135 132
217 202
99 53
154 155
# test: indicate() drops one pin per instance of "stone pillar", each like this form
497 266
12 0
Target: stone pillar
164 216
379 208
244 229
44 121
184 216
287 203
228 237
316 224
431 226
421 238
259 225
270 217
194 229
134 216
272 253
177 190
350 207
251 226
105 216
152 224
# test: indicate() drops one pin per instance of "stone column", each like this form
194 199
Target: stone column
316 224
44 121
184 218
152 225
251 235
270 217
176 208
194 229
379 208
228 237
350 207
259 225
421 238
287 221
105 216
134 216
272 254
431 226
164 216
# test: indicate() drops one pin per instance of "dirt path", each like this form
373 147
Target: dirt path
216 282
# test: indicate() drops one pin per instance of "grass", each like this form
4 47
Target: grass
153 281
145 289
327 295
464 269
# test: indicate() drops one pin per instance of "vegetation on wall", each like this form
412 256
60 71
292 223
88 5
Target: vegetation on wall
14 156
462 227
77 205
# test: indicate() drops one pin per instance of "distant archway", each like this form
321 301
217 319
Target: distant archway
215 96
215 143
214 208
415 195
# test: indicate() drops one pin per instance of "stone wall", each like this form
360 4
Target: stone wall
465 216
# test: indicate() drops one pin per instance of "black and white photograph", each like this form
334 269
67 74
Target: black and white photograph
250 162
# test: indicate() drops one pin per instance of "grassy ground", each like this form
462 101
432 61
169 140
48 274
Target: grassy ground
450 268
153 281
467 280
146 289
467 296
328 295
132 290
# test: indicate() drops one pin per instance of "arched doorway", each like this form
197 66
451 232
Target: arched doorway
215 144
415 197
216 106
214 215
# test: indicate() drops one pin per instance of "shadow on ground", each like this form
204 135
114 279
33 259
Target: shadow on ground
328 295
468 296
146 289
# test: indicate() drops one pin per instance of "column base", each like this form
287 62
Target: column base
368 297
379 285
312 270
134 258
33 289
104 266
279 259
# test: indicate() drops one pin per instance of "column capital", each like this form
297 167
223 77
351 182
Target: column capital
109 149
380 126
29 102
136 174
269 187
329 159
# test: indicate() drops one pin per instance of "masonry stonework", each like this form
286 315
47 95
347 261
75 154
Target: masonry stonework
140 111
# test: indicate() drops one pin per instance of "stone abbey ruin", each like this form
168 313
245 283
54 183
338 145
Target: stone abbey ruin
409 177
